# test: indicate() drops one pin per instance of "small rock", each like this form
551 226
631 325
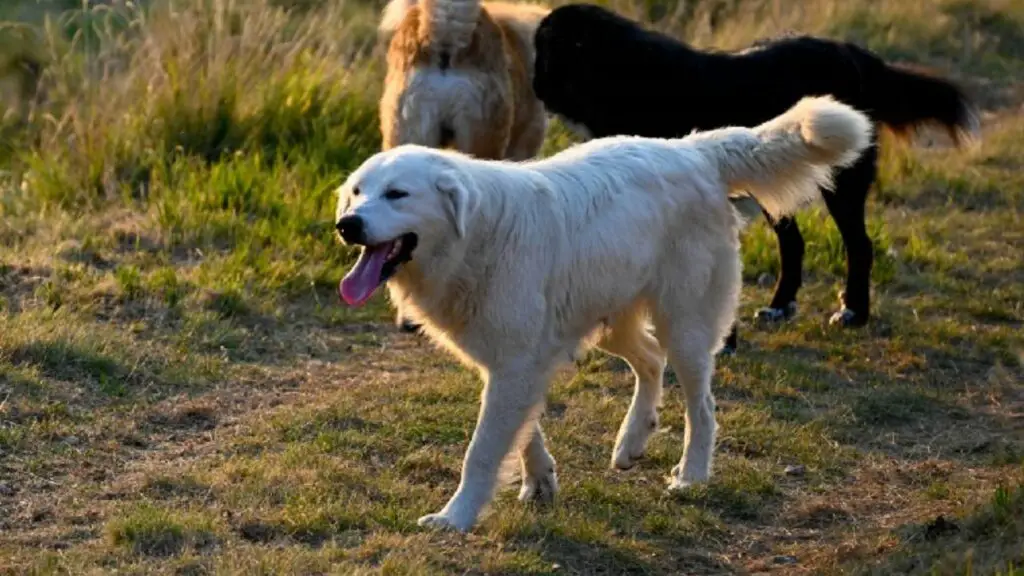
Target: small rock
6 490
71 440
555 567
766 280
784 560
795 470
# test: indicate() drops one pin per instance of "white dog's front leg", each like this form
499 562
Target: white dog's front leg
508 400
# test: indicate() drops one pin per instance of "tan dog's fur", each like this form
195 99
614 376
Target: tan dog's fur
482 104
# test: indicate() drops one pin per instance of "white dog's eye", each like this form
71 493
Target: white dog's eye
395 194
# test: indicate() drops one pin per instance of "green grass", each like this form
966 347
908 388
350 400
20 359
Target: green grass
151 531
181 393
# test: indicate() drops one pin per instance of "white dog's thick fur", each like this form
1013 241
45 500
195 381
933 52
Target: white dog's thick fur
517 264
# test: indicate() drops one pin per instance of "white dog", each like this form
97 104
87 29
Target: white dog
512 266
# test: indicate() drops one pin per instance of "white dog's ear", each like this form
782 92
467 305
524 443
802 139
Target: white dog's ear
459 199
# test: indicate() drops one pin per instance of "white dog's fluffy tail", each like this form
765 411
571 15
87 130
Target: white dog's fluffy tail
782 162
447 24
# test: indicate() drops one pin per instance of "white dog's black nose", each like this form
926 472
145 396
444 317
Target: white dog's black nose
351 229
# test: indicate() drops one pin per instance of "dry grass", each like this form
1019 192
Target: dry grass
180 393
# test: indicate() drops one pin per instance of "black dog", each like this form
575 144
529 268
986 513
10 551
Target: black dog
612 77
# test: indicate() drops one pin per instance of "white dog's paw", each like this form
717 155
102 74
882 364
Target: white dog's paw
626 457
442 521
678 486
632 443
680 482
541 490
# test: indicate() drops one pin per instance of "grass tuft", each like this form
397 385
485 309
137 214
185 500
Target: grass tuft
153 531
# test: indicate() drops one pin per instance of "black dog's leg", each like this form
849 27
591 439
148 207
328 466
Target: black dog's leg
791 253
847 207
731 342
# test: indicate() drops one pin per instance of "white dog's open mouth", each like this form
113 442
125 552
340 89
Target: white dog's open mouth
375 266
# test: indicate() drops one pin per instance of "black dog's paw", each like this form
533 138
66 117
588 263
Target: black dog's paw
768 315
847 318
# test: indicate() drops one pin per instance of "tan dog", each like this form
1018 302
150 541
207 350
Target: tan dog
460 75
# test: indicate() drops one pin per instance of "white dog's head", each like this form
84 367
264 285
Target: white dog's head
396 202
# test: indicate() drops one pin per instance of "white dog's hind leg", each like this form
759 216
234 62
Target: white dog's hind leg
630 340
508 400
689 346
540 483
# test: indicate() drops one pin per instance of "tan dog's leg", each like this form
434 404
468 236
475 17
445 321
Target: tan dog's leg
485 135
402 123
528 143
389 119
482 141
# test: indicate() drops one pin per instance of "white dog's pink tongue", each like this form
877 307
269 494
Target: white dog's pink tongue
362 280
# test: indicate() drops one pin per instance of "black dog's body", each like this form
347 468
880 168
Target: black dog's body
613 77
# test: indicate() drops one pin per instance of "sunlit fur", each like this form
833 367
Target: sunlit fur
459 74
519 264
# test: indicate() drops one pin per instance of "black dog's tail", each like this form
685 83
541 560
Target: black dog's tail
905 99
